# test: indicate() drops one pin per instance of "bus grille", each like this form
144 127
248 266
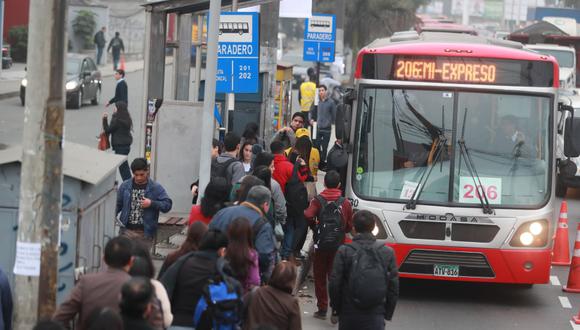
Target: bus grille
470 264
461 232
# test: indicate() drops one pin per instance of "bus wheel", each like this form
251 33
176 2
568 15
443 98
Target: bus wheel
560 187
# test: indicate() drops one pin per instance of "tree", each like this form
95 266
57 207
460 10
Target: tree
572 3
18 40
367 20
84 26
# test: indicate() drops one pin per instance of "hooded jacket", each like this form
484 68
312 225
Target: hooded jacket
330 195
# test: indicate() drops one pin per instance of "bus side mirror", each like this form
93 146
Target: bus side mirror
344 115
571 133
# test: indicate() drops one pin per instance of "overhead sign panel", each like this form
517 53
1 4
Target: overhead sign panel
319 38
238 53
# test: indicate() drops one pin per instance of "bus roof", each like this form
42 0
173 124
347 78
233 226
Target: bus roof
452 45
446 27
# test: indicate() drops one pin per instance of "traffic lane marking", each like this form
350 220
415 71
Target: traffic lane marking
565 302
554 280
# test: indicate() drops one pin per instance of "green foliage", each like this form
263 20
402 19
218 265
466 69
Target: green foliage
367 20
84 25
18 40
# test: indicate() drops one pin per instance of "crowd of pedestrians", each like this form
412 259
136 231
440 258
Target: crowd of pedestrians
238 266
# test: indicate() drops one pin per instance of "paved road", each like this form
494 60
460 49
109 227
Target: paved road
433 305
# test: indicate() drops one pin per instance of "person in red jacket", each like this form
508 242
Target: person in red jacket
324 256
283 170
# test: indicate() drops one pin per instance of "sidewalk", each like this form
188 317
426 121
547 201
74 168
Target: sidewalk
10 78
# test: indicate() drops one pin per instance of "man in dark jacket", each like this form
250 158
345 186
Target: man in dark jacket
121 93
116 44
100 289
187 277
100 43
139 202
323 259
234 169
349 315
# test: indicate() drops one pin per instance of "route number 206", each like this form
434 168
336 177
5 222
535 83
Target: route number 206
471 193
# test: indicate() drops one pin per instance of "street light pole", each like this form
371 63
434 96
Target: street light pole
209 94
36 262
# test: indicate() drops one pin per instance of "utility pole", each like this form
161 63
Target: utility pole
207 129
1 30
269 17
41 187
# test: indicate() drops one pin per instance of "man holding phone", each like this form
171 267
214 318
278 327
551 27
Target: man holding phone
139 202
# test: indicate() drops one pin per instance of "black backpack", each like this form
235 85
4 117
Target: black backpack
367 281
296 194
220 306
329 233
220 170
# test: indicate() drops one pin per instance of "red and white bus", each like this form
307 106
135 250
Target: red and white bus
451 143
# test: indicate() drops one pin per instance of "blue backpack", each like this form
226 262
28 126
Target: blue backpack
220 307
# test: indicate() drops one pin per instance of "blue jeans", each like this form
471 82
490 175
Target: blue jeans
116 58
323 138
288 242
99 54
124 168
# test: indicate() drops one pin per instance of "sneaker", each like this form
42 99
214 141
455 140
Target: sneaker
320 314
334 317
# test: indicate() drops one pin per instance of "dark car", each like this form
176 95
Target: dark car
6 59
83 82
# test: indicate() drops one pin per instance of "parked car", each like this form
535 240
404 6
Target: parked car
6 59
83 82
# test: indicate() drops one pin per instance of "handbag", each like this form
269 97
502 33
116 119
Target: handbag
103 141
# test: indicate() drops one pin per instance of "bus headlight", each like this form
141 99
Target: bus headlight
526 238
531 234
536 228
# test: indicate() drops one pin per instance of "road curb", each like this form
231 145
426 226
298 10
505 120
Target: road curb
8 95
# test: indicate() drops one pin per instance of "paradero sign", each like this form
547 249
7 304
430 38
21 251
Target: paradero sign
319 38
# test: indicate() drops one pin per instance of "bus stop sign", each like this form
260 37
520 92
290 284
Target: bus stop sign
319 38
238 53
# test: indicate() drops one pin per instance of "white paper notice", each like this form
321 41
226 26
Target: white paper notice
27 261
408 189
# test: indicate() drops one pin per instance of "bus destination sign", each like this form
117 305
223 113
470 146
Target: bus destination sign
445 71
457 70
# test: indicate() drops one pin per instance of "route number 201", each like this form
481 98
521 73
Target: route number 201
471 193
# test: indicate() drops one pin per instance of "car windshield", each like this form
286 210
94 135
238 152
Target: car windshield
565 58
73 66
400 132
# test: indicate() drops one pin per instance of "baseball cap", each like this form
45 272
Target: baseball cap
302 132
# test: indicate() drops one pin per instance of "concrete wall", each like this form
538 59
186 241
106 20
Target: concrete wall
101 18
132 29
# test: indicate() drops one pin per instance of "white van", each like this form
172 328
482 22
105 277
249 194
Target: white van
566 57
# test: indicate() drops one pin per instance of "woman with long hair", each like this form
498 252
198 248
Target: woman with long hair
120 129
246 156
306 151
215 197
241 254
195 233
274 303
266 159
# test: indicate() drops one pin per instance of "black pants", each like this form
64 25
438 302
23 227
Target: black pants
300 232
359 322
124 168
322 139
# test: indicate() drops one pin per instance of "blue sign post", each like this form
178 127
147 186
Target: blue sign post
238 62
319 38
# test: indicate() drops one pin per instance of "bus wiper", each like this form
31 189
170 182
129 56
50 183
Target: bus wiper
473 171
412 203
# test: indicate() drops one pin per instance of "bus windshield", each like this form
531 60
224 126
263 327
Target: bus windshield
401 133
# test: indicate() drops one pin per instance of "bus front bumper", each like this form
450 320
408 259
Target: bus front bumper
531 266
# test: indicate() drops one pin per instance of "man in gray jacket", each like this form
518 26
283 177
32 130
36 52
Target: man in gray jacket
325 115
227 165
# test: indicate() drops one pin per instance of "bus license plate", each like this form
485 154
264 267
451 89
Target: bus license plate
446 270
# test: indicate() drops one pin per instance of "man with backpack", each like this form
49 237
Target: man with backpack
116 44
331 216
291 179
364 283
227 165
